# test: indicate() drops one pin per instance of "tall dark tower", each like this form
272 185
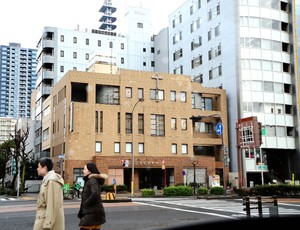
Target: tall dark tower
107 20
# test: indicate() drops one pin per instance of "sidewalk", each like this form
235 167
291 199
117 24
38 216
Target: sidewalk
122 197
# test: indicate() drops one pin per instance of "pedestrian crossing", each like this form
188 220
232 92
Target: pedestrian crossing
7 199
232 207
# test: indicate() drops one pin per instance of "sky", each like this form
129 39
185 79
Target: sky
22 21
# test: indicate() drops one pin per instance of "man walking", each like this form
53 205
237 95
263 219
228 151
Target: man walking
50 211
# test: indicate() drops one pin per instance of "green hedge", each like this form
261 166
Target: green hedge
178 191
202 191
110 188
217 190
147 192
275 189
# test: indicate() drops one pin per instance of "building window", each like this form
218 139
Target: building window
140 25
62 38
177 54
74 54
157 124
97 122
128 92
196 43
140 93
178 70
141 147
183 124
156 94
196 61
106 94
173 95
183 96
215 72
111 45
117 147
98 146
128 147
62 53
202 127
119 123
174 149
177 37
62 68
74 39
173 124
87 41
196 101
46 134
99 42
122 46
207 103
101 121
128 123
184 149
122 60
87 56
141 123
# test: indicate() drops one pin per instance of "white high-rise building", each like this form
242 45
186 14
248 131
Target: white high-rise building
61 50
249 49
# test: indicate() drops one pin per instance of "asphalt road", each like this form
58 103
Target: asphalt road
148 214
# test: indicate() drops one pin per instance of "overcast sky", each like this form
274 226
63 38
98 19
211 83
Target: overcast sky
22 21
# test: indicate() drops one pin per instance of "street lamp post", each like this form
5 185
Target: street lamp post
132 148
261 166
194 162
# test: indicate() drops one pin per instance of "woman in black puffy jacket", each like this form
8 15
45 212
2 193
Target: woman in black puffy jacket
91 212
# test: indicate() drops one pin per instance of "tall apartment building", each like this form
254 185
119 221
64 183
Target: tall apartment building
61 50
164 124
7 127
250 49
18 77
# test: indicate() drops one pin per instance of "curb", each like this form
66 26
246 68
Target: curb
118 200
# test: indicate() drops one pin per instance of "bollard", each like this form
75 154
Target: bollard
274 210
247 204
259 206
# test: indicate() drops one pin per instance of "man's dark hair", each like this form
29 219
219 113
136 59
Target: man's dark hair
91 166
46 161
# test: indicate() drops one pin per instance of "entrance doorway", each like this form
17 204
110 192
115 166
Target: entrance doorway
150 177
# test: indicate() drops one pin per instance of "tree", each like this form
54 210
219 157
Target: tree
20 155
5 155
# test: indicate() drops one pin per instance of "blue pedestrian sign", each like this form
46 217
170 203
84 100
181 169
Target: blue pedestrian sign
219 128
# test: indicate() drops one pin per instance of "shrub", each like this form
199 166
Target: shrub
275 189
3 191
178 191
217 190
241 191
202 191
110 188
147 192
12 192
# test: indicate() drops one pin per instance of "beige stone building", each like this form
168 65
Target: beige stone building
168 121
